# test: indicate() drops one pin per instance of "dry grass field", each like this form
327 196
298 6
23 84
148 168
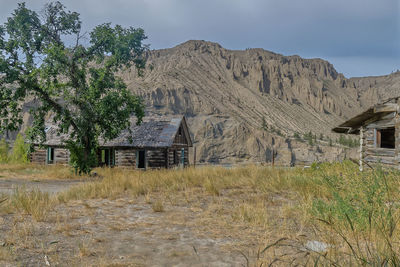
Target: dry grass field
326 215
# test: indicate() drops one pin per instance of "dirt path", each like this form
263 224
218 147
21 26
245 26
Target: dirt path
7 186
128 232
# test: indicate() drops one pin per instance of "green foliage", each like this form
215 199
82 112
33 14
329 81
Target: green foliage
347 141
4 149
363 207
76 83
296 135
309 138
20 150
81 161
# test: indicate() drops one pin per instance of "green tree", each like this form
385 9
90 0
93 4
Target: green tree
75 82
4 148
309 138
20 150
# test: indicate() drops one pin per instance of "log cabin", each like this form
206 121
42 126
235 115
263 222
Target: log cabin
379 132
158 142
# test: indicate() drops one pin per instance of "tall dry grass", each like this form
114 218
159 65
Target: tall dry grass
355 214
37 172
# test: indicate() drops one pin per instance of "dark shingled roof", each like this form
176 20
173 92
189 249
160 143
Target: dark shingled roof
153 132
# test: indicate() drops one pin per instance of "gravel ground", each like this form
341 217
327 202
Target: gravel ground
8 185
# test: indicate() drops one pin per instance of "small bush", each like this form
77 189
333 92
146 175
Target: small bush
4 149
158 206
363 213
35 202
20 150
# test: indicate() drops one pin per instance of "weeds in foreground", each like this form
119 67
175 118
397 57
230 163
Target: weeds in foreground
157 206
363 215
5 253
35 202
354 214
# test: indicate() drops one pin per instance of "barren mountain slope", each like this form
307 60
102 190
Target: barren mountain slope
226 94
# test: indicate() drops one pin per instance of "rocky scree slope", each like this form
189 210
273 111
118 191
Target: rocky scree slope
226 95
243 105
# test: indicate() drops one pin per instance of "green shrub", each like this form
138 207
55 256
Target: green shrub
4 148
348 141
364 214
20 150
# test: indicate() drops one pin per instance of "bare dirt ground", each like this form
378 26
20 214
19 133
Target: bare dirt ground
128 232
8 185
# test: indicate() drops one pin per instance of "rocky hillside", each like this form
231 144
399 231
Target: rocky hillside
243 104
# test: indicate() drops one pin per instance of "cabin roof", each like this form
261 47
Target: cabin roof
153 132
372 114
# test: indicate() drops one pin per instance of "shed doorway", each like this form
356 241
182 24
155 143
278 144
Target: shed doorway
141 159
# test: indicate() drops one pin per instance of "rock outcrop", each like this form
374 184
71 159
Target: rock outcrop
248 106
230 96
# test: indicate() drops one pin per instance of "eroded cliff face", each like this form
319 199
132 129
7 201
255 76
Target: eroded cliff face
226 95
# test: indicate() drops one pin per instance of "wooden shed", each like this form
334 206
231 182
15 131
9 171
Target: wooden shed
158 142
379 131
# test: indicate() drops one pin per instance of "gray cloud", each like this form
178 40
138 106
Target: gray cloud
361 37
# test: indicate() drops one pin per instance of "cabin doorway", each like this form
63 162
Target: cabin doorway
183 157
50 155
106 157
141 159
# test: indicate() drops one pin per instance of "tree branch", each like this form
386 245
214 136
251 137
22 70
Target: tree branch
56 106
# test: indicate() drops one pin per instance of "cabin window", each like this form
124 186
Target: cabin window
50 155
385 138
141 159
180 131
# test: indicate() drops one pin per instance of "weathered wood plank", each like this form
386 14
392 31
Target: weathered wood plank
381 152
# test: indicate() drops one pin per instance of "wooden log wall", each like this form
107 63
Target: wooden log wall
125 157
61 156
156 158
175 163
38 156
373 154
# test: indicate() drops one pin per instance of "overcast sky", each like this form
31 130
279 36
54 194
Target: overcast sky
359 37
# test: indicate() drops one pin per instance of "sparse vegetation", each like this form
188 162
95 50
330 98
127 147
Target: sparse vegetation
4 149
309 137
20 150
264 124
355 214
347 141
158 206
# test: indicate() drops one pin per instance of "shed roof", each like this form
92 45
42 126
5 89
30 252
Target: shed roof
372 114
153 132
